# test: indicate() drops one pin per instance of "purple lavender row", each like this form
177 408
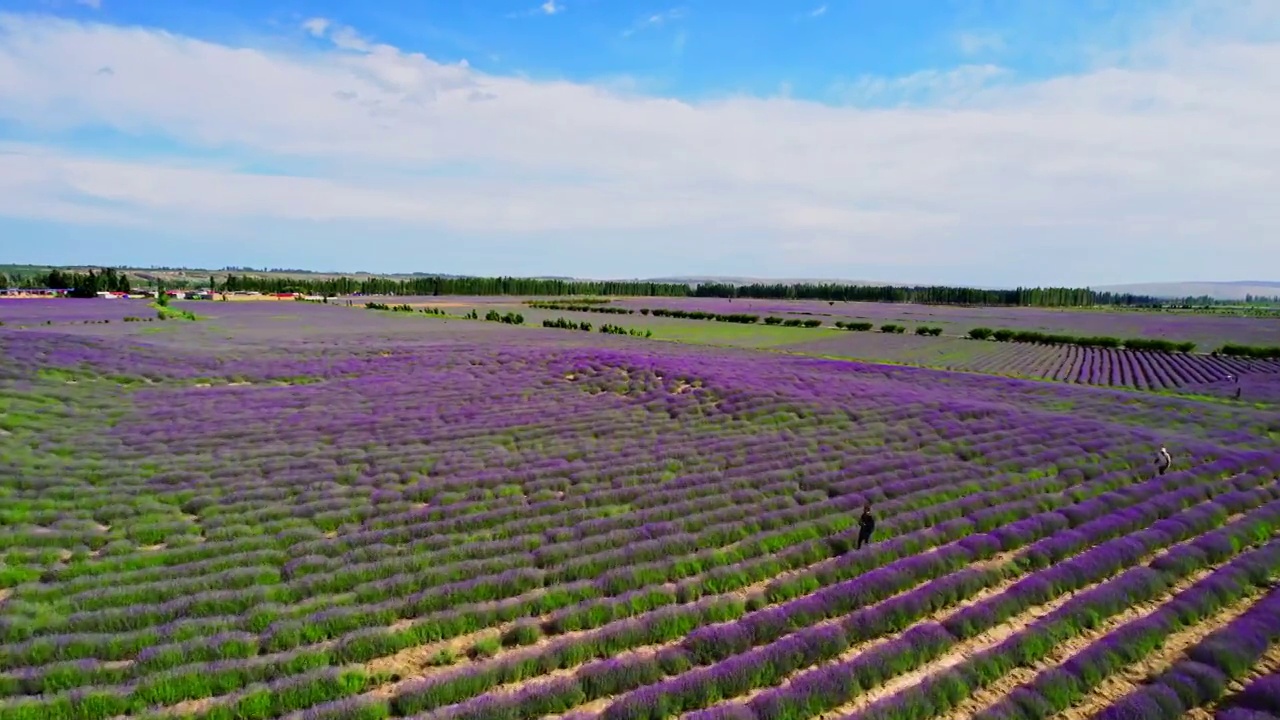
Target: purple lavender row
1056 689
715 483
828 687
140 659
660 542
807 610
662 500
161 590
145 639
804 555
947 690
1087 509
627 633
738 677
974 619
1227 654
1259 700
1239 713
96 600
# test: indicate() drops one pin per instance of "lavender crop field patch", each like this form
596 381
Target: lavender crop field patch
1188 373
1208 330
334 514
35 312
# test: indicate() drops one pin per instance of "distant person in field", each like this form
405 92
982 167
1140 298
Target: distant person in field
866 525
1163 460
1237 392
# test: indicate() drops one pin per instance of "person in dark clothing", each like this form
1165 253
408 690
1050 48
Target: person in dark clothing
1163 461
866 525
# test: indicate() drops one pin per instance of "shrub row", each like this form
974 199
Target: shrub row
1250 351
793 322
854 326
742 318
579 307
1039 338
564 324
506 318
634 332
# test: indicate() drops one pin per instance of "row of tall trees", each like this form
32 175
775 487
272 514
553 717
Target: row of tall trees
85 285
117 280
927 294
935 295
450 286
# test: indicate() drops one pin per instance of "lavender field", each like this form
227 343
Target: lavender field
1209 331
323 512
1197 374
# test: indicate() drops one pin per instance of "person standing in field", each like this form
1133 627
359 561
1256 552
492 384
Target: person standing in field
866 525
1163 460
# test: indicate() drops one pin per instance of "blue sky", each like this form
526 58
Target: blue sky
993 142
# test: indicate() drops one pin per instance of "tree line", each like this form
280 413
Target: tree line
426 286
582 290
87 285
927 294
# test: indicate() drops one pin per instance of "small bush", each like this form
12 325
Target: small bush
485 647
524 633
981 333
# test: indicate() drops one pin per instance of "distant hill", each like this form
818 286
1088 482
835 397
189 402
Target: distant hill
1236 290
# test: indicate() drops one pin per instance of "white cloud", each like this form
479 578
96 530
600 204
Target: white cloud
655 20
976 42
317 26
1144 168
818 11
550 7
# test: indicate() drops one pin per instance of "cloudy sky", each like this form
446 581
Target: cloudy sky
990 142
